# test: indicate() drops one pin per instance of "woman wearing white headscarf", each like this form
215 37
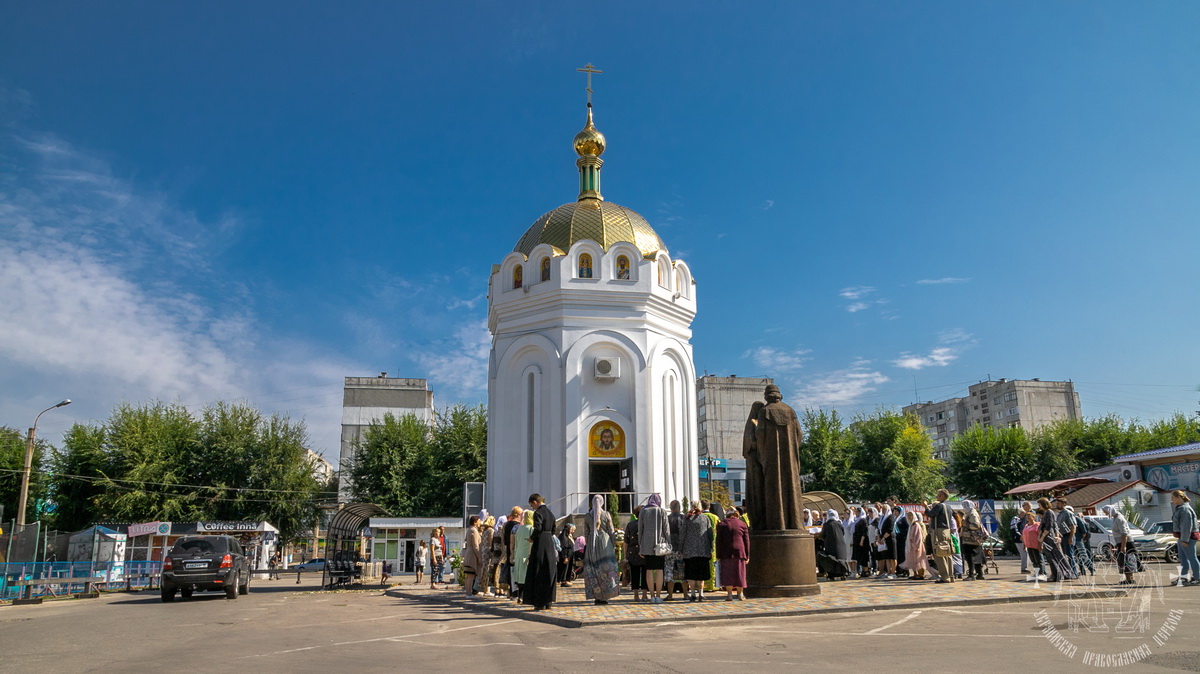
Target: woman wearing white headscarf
833 536
972 537
1127 559
914 552
601 577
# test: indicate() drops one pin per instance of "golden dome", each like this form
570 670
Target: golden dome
589 140
604 222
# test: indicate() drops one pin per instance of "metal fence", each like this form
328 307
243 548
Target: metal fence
109 576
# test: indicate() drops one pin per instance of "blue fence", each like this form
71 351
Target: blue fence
111 575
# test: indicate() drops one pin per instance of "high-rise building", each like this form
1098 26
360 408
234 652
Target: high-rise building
366 400
1028 403
722 405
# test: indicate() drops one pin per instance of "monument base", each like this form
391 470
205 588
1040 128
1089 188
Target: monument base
782 564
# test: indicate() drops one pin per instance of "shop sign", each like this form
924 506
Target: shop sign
149 529
226 526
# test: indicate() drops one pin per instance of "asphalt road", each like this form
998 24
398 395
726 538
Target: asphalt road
279 627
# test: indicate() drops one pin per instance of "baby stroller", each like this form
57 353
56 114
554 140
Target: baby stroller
989 554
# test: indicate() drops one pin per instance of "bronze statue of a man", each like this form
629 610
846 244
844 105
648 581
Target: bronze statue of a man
771 446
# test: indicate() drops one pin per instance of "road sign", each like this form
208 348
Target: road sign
989 523
987 515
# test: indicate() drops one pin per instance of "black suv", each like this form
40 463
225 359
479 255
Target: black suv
205 563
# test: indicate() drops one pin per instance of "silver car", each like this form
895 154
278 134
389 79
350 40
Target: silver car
1102 539
1159 540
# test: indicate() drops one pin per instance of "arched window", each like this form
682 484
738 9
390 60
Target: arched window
662 274
622 267
546 269
585 266
518 277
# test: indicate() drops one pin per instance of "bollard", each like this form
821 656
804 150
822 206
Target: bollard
297 576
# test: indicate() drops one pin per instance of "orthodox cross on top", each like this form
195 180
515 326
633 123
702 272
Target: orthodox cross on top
590 70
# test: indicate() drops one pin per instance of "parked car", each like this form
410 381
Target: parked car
1102 540
205 563
315 564
1159 540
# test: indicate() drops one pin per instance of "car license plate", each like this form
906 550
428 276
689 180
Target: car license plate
196 565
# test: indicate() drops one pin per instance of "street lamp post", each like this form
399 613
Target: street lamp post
29 463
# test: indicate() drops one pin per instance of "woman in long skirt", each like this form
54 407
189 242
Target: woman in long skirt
601 576
522 542
733 550
914 548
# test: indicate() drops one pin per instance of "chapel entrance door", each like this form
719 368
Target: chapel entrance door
612 476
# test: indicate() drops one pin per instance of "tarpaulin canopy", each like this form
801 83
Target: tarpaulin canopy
1056 485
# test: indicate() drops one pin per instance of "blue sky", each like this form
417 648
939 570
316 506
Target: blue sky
221 200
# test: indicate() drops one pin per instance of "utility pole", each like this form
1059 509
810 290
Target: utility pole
29 463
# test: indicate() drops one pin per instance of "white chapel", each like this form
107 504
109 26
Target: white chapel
591 384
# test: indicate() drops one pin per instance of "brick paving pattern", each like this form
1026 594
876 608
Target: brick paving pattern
573 610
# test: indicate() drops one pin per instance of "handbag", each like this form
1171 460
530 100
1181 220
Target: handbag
974 536
662 549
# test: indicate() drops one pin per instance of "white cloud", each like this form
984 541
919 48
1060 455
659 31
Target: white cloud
461 367
777 360
768 204
108 297
938 281
858 306
856 292
953 342
839 388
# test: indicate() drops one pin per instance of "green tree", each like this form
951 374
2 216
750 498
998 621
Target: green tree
895 457
827 453
986 462
159 462
77 471
149 480
386 461
1178 429
456 454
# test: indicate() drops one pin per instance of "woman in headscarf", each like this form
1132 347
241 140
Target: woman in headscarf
522 545
566 545
633 557
484 581
696 545
675 562
497 559
847 540
885 546
601 576
654 535
715 512
914 547
873 519
861 547
832 542
972 537
733 550
1127 559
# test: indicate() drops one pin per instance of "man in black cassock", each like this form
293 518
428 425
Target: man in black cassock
539 589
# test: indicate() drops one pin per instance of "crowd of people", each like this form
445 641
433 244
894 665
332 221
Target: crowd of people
887 541
662 554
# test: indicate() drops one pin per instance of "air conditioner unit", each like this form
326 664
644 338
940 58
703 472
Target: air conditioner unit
1147 498
608 367
1130 473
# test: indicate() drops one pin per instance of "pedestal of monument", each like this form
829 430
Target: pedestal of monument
782 564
